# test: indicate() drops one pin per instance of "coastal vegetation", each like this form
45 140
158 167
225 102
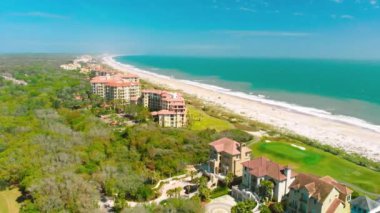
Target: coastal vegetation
61 155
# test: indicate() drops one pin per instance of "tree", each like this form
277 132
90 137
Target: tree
204 191
170 193
276 208
177 192
192 174
354 195
264 209
266 189
244 207
229 178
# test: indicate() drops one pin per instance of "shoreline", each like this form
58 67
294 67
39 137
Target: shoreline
362 138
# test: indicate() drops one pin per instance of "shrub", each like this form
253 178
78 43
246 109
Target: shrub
244 207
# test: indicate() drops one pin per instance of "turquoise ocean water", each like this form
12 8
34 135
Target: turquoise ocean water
341 87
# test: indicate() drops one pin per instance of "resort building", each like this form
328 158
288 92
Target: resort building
314 194
73 66
99 70
125 88
168 109
260 169
227 156
363 204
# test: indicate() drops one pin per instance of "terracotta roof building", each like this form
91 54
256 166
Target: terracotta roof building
123 87
260 169
227 155
309 193
168 109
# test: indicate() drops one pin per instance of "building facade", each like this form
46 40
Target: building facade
227 156
259 169
316 195
124 88
168 109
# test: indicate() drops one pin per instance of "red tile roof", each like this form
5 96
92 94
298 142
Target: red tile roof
320 188
226 145
99 79
113 81
262 166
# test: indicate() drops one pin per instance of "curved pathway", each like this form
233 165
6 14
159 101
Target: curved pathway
220 205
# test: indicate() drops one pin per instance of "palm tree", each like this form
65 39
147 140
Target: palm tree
177 192
229 178
266 189
192 174
170 193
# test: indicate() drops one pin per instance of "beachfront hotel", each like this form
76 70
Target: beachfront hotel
168 108
123 87
227 156
100 70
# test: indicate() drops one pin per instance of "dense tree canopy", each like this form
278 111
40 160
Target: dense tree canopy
57 150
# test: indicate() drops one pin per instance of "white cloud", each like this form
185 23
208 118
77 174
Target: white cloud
347 17
373 2
246 9
250 33
298 14
41 15
344 16
338 1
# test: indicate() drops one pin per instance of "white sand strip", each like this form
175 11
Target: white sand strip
351 138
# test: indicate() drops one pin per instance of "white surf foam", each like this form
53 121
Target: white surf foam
260 98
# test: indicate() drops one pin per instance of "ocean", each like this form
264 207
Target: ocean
346 90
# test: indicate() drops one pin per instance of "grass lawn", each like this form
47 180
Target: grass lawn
8 203
318 162
218 192
201 120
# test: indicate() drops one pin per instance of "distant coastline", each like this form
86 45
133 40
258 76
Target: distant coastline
352 134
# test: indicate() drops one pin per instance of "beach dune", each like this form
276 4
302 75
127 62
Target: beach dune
350 137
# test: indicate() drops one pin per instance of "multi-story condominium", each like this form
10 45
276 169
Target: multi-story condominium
259 169
99 85
316 195
125 88
99 70
119 89
168 109
363 204
227 156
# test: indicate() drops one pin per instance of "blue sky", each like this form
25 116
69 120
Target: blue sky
261 28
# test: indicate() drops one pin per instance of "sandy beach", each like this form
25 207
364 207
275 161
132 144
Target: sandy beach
352 138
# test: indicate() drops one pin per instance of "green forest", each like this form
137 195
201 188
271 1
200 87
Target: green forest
61 156
57 154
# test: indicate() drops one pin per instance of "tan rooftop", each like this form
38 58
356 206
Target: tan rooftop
320 188
227 145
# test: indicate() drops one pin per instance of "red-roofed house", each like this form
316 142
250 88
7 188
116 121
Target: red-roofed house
227 156
309 193
260 169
